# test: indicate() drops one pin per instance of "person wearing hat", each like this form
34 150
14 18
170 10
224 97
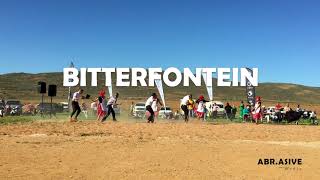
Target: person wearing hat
257 111
201 107
101 106
241 108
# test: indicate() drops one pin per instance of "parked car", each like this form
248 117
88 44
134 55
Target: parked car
165 113
2 107
65 106
45 108
139 110
15 107
221 111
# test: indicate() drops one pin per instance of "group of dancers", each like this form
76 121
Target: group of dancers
186 103
188 106
105 107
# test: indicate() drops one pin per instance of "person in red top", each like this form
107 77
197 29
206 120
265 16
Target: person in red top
278 115
257 111
278 106
102 93
101 111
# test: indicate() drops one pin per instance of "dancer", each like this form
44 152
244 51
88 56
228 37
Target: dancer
101 105
148 105
191 108
201 107
184 106
257 112
155 108
112 102
75 105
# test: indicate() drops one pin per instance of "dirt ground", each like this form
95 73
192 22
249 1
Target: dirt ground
165 150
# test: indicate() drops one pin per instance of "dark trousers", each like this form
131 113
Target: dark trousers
150 110
186 112
229 115
75 109
110 111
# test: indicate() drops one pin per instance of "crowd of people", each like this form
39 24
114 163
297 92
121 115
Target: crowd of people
191 108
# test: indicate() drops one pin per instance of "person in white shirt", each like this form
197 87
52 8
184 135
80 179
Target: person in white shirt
298 108
184 106
287 108
148 105
214 110
110 104
313 117
75 105
155 108
201 107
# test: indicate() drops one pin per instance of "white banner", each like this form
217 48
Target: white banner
209 88
110 90
160 89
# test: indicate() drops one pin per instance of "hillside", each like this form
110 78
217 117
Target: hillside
24 86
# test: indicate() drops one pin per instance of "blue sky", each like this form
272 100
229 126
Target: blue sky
281 38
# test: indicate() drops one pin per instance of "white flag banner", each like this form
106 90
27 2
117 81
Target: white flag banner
209 88
110 90
160 89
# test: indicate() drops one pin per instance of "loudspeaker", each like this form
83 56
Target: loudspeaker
42 87
52 90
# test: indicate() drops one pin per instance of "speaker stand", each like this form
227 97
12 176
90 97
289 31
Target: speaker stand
51 107
41 110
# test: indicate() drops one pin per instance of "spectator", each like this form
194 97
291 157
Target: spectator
313 117
228 110
278 107
177 115
234 111
214 111
277 112
246 113
131 108
205 111
84 108
298 108
241 108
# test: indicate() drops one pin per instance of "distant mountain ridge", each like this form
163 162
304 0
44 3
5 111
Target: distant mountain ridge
24 86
